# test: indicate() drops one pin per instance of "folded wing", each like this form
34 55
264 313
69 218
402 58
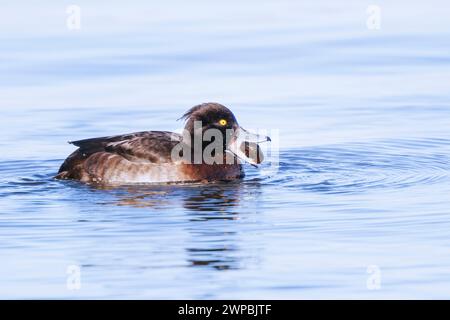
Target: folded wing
147 146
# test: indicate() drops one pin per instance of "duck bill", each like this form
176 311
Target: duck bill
244 145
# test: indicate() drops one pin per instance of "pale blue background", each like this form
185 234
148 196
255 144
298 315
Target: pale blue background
364 135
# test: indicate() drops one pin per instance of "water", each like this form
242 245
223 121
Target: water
363 179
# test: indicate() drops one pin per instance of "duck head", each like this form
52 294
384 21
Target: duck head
207 121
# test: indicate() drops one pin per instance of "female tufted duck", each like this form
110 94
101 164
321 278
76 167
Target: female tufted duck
211 148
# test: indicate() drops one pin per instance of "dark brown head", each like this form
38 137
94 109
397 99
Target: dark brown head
214 117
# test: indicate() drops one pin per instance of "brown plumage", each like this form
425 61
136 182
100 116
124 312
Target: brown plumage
146 157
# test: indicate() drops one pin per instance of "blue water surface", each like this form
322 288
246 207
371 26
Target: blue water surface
357 207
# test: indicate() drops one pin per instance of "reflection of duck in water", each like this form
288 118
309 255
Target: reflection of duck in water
214 241
147 157
209 216
212 201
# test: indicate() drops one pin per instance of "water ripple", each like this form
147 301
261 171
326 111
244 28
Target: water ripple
350 168
360 167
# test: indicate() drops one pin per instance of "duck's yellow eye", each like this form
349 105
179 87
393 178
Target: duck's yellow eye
223 122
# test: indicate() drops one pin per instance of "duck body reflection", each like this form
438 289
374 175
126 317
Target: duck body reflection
211 214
